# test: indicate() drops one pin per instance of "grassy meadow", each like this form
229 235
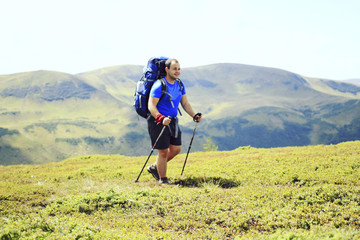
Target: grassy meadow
308 192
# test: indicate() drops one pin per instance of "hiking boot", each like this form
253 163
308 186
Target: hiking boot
164 180
153 170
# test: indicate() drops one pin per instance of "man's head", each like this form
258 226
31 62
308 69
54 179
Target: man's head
172 68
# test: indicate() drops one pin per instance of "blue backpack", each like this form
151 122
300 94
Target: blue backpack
154 70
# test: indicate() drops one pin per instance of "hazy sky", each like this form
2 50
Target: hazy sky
315 38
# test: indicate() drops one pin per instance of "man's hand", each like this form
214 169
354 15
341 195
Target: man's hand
197 117
166 121
162 119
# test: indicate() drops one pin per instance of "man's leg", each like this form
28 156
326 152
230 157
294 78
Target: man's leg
173 151
161 162
165 155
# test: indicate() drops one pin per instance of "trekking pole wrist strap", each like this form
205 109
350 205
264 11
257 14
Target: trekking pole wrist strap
196 116
159 118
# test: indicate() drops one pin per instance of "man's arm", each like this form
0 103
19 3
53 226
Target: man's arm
153 101
187 107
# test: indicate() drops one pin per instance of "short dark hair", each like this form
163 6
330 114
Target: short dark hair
170 61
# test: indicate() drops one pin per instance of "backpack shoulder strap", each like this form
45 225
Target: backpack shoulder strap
181 89
163 88
180 84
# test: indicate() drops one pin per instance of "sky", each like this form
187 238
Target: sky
314 38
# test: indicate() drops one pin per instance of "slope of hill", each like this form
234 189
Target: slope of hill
247 193
265 107
49 116
116 80
55 116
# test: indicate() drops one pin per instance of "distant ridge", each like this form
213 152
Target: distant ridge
353 81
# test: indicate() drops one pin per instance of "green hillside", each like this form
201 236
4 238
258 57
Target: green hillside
49 116
53 116
249 193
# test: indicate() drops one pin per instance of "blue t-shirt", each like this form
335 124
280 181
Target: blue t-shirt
165 106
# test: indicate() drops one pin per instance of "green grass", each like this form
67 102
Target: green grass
281 193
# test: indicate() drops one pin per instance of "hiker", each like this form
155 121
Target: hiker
164 113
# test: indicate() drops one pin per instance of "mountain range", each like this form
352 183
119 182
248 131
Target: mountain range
48 116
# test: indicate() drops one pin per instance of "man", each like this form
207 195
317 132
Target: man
164 113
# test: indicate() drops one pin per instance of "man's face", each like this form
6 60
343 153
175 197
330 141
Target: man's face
174 71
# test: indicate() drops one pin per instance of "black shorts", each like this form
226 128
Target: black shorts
171 134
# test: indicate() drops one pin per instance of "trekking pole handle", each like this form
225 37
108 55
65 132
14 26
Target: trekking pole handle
160 118
166 118
196 116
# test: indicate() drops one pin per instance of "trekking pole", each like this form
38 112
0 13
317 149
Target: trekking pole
152 150
189 148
